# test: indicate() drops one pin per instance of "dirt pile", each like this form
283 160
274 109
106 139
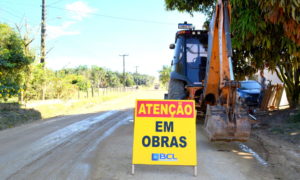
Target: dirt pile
278 133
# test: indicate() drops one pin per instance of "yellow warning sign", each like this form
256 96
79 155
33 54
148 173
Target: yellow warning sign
165 132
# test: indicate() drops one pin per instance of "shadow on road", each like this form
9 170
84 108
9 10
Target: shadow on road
12 114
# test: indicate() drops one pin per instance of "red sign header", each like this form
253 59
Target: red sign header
165 108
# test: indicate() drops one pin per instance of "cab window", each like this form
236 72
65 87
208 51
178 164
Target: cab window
179 49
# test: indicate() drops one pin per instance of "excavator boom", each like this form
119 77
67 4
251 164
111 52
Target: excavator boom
226 119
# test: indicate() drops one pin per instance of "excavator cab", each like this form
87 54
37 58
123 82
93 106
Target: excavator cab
189 61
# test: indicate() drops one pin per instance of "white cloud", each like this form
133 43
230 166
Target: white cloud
54 32
79 10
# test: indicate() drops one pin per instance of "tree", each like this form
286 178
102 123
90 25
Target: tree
164 75
62 87
38 81
25 33
97 76
82 70
13 62
266 34
81 82
112 79
143 79
191 6
266 45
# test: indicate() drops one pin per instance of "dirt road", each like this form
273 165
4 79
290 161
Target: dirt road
98 145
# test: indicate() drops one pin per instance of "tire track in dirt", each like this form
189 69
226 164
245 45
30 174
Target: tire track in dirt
28 160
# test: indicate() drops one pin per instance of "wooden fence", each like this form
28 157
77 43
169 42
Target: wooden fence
98 92
271 98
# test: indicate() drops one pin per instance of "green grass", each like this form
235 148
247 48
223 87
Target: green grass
53 110
10 100
15 115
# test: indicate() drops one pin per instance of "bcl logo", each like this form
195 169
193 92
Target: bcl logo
163 157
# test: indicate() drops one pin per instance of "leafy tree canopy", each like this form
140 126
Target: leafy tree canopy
13 62
164 75
283 12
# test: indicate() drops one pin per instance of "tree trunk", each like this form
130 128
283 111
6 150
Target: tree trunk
21 97
43 92
289 75
92 87
293 98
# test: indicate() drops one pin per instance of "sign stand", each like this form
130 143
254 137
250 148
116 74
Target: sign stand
165 133
132 169
195 170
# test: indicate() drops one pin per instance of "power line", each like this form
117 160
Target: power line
18 20
55 2
10 13
117 17
136 69
6 20
109 16
10 2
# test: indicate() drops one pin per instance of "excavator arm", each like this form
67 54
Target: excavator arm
226 119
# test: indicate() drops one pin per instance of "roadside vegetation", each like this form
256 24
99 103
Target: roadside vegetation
22 76
23 80
75 83
164 75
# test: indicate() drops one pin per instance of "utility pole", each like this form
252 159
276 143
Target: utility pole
124 77
43 32
43 44
136 73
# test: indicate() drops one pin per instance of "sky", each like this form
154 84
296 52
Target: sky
96 32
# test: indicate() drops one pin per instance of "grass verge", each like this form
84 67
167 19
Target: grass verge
71 107
15 115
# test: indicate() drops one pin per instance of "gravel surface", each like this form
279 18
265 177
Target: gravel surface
97 144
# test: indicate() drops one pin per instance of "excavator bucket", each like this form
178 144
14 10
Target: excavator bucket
219 127
226 119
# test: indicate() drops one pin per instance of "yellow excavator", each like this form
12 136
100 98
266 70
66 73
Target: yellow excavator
202 70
